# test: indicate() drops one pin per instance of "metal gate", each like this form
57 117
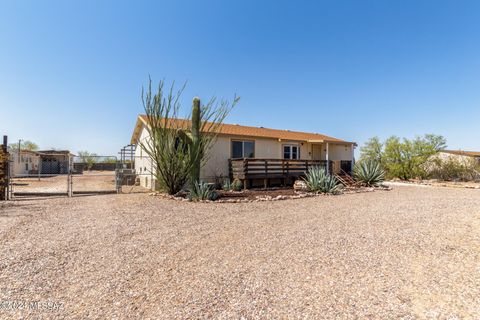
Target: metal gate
94 174
38 185
80 175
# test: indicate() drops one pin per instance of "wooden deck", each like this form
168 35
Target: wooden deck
287 170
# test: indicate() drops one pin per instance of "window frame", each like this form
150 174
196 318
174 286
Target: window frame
291 145
243 148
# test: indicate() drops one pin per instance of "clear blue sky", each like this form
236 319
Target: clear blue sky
71 72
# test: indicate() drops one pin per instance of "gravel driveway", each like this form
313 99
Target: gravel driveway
408 253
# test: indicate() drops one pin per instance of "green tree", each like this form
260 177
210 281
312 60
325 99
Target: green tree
24 145
403 158
89 159
372 150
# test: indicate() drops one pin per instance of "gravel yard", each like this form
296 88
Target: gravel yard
88 181
408 253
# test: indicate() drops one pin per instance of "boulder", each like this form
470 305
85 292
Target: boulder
300 185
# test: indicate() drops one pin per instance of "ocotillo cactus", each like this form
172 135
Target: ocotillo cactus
196 140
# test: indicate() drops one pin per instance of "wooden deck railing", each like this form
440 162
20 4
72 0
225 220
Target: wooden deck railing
249 169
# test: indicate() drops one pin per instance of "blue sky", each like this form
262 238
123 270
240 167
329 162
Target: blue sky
71 72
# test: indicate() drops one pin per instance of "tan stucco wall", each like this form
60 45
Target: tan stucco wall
217 164
19 168
220 152
143 164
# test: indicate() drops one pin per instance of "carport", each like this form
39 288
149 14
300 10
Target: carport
55 161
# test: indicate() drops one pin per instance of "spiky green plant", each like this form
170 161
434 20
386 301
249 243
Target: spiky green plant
237 185
196 156
317 180
178 149
202 191
369 172
227 185
165 147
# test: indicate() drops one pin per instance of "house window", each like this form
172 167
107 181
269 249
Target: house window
26 166
243 149
291 152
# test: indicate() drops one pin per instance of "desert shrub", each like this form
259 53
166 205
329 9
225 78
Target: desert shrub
403 158
227 185
453 168
317 180
369 172
219 180
237 185
88 158
179 149
202 191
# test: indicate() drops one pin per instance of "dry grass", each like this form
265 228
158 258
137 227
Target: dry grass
408 253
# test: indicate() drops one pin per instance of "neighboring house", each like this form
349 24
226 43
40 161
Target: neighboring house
43 162
460 155
280 154
24 163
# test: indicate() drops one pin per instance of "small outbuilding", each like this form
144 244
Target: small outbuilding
55 161
24 162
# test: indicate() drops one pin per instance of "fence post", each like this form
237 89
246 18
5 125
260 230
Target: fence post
6 170
69 183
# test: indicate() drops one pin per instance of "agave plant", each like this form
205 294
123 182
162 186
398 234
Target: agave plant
227 185
317 180
237 185
202 191
369 172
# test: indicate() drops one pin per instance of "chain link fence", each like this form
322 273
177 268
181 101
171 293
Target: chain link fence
30 175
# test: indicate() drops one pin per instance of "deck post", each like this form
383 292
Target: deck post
352 157
287 178
326 158
245 173
265 181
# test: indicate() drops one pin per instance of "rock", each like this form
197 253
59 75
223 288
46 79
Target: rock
300 185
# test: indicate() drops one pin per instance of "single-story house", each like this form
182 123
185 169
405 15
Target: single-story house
256 153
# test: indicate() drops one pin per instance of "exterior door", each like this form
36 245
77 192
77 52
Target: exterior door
317 152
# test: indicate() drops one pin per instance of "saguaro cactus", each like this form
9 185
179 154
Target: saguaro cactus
196 140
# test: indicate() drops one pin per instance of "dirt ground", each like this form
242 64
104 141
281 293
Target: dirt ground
89 181
410 253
